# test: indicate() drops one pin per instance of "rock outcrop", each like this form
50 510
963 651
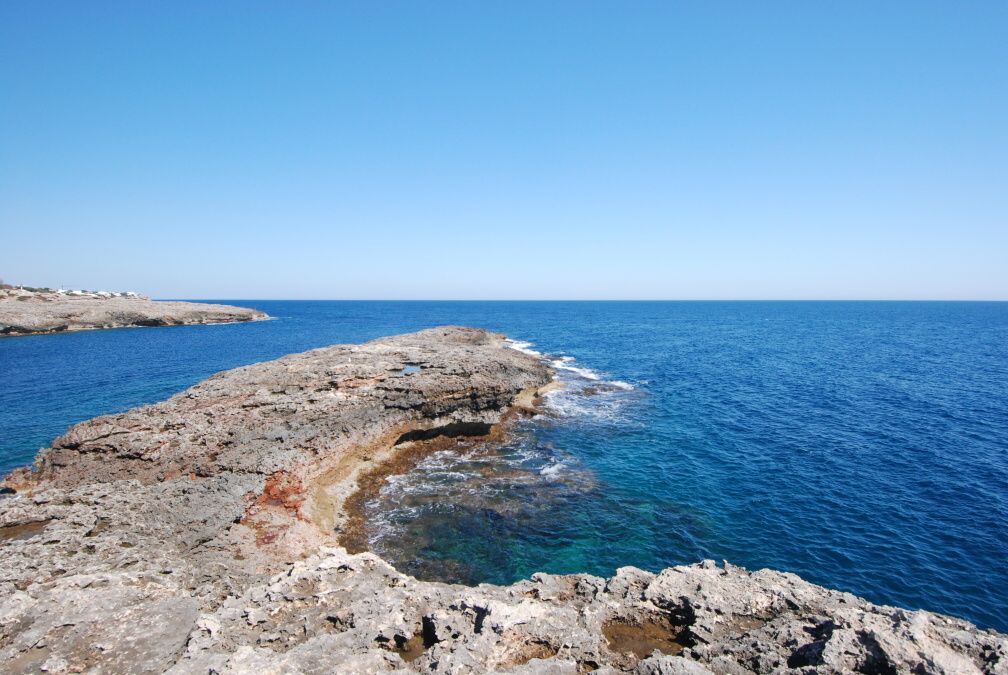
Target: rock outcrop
205 534
32 312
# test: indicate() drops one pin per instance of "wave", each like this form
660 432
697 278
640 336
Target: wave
572 403
523 347
586 373
552 469
565 363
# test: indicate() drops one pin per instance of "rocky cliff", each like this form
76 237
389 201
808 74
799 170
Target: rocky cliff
32 312
209 533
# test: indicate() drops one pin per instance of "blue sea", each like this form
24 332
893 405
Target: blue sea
862 445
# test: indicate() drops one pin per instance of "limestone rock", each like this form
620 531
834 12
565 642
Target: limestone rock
30 313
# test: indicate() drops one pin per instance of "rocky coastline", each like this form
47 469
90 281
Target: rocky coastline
35 312
217 532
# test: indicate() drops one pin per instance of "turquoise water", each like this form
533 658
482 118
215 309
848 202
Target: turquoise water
861 445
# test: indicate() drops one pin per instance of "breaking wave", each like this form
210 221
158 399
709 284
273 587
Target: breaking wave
565 364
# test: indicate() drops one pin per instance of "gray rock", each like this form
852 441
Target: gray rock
670 665
32 313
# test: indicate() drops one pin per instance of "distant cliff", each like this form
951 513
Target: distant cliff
35 311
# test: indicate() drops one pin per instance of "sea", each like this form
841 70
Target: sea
861 445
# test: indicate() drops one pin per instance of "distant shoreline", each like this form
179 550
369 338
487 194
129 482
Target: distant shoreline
46 312
599 300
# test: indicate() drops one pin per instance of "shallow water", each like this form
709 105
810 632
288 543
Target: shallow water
861 445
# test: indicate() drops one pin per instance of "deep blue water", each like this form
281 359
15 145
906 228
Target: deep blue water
863 446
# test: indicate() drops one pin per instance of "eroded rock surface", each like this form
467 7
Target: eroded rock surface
31 313
202 534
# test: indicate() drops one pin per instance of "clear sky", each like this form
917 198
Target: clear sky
506 149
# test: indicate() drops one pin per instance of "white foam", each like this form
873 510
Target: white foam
552 469
563 404
564 364
523 347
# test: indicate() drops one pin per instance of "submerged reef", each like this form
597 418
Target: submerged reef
38 311
224 530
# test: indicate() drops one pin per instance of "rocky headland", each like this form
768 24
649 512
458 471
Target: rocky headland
32 312
209 533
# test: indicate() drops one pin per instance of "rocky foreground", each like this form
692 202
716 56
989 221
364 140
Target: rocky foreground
207 534
24 312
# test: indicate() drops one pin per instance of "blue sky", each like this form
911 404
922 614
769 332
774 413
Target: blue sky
506 150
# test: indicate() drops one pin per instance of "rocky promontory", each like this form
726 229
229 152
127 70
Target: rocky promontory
31 312
209 533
